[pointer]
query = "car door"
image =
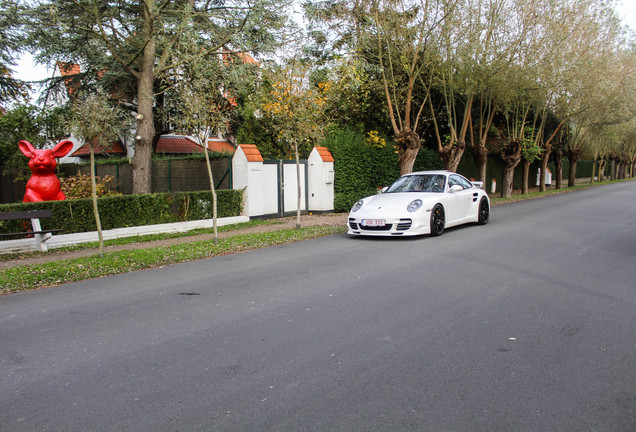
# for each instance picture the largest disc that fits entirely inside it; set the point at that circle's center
(459, 198)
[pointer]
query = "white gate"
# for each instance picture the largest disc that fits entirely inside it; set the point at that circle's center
(271, 186)
(280, 187)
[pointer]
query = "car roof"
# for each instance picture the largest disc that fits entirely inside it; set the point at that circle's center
(439, 172)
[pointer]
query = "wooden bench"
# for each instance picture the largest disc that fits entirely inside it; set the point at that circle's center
(40, 236)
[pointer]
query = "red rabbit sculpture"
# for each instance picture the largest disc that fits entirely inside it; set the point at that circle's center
(44, 184)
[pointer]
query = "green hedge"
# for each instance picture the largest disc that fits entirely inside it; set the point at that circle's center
(128, 210)
(360, 170)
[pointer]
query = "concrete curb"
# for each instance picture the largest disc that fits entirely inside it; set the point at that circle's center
(63, 240)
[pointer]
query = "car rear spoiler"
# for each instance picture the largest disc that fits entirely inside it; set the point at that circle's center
(478, 184)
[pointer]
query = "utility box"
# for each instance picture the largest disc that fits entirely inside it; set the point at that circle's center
(321, 180)
(247, 174)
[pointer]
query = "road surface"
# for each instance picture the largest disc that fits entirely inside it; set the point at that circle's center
(525, 324)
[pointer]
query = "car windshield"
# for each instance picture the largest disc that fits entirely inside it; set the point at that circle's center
(419, 183)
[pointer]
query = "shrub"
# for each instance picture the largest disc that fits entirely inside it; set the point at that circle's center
(76, 215)
(79, 186)
(365, 162)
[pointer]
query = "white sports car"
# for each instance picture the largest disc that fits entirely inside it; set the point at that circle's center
(424, 202)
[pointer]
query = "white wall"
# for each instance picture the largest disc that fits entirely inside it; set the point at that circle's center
(321, 183)
(261, 183)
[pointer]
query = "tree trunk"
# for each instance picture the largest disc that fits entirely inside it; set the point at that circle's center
(572, 173)
(481, 160)
(452, 154)
(557, 155)
(409, 145)
(612, 169)
(142, 162)
(601, 170)
(573, 157)
(299, 192)
(545, 157)
(508, 179)
(212, 189)
(98, 222)
(526, 177)
(510, 161)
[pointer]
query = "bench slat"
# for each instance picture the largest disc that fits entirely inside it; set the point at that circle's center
(26, 214)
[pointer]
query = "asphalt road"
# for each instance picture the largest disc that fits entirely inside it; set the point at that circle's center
(525, 324)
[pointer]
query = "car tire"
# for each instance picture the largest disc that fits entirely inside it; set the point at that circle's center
(484, 212)
(438, 220)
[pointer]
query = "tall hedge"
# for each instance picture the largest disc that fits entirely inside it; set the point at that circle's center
(361, 169)
(128, 210)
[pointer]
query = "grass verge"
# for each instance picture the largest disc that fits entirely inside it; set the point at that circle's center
(145, 238)
(23, 278)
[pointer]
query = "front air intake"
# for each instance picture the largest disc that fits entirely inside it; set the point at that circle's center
(404, 224)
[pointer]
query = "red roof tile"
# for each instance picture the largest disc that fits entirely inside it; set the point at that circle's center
(245, 58)
(177, 144)
(220, 146)
(324, 154)
(114, 148)
(69, 71)
(251, 153)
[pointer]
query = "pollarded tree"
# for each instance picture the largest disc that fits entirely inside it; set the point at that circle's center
(396, 38)
(558, 72)
(295, 104)
(596, 77)
(201, 101)
(475, 46)
(399, 40)
(629, 140)
(602, 139)
(130, 44)
(97, 121)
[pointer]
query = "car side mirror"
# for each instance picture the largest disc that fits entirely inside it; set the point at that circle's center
(456, 188)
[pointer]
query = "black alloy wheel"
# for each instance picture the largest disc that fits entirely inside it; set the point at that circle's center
(484, 211)
(438, 220)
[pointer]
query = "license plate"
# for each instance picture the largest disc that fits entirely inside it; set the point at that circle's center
(373, 222)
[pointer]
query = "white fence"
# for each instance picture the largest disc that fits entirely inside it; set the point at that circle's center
(271, 186)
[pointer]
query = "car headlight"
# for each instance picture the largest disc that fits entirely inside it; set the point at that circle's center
(357, 206)
(414, 205)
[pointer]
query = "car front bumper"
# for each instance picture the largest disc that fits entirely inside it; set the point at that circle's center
(392, 227)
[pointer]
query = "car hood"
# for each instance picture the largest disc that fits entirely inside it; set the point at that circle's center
(398, 200)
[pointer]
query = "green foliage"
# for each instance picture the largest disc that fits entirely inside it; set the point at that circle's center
(20, 123)
(198, 205)
(357, 96)
(128, 47)
(76, 215)
(27, 122)
(261, 131)
(361, 169)
(96, 120)
(427, 159)
(11, 89)
(530, 148)
(295, 107)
